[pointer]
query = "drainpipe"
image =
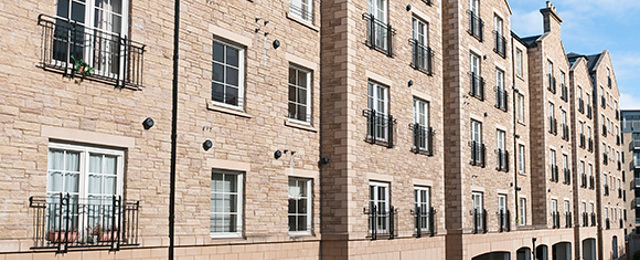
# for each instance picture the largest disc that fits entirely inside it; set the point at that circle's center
(174, 127)
(515, 142)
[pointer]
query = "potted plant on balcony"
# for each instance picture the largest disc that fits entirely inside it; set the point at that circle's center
(104, 234)
(60, 236)
(81, 67)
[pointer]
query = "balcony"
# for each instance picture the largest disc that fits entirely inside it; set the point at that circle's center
(555, 219)
(580, 105)
(606, 190)
(62, 222)
(424, 220)
(421, 57)
(593, 219)
(553, 126)
(564, 92)
(503, 160)
(605, 158)
(603, 102)
(567, 176)
(621, 223)
(380, 128)
(475, 25)
(379, 34)
(617, 139)
(477, 154)
(606, 223)
(504, 220)
(609, 81)
(619, 165)
(476, 86)
(500, 44)
(589, 112)
(554, 173)
(585, 219)
(552, 83)
(590, 145)
(80, 52)
(619, 193)
(422, 139)
(618, 115)
(636, 182)
(604, 130)
(592, 182)
(381, 222)
(583, 180)
(583, 141)
(567, 220)
(565, 132)
(479, 221)
(502, 98)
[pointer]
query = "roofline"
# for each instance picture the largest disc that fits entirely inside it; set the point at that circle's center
(515, 36)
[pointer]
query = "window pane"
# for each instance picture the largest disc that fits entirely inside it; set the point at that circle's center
(217, 92)
(54, 182)
(218, 72)
(232, 56)
(56, 160)
(232, 76)
(71, 182)
(231, 96)
(218, 52)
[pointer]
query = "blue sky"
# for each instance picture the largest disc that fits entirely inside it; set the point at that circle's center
(591, 26)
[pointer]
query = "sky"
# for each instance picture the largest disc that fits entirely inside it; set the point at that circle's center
(589, 27)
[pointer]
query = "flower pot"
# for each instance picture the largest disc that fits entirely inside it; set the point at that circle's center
(108, 236)
(62, 236)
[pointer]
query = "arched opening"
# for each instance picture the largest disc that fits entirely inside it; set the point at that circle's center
(589, 249)
(561, 251)
(614, 247)
(494, 256)
(542, 252)
(523, 254)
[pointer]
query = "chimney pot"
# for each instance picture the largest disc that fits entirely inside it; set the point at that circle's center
(548, 4)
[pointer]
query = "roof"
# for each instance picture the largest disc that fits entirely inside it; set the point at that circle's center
(592, 60)
(531, 40)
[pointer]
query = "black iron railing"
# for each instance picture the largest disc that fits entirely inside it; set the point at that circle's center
(609, 81)
(619, 166)
(421, 57)
(379, 34)
(580, 105)
(603, 102)
(617, 139)
(424, 220)
(565, 132)
(380, 127)
(583, 141)
(63, 221)
(635, 145)
(299, 11)
(606, 190)
(553, 126)
(606, 223)
(592, 182)
(502, 98)
(605, 158)
(78, 51)
(381, 222)
(619, 193)
(476, 86)
(477, 154)
(593, 219)
(422, 139)
(475, 25)
(554, 172)
(567, 219)
(500, 44)
(567, 176)
(589, 112)
(621, 224)
(583, 180)
(503, 160)
(555, 219)
(604, 130)
(617, 114)
(590, 145)
(504, 220)
(564, 92)
(552, 83)
(479, 221)
(585, 219)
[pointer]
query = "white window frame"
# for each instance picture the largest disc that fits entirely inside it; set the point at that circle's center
(523, 212)
(309, 208)
(521, 158)
(420, 31)
(476, 131)
(239, 203)
(502, 206)
(375, 200)
(519, 66)
(474, 7)
(422, 198)
(307, 73)
(421, 116)
(379, 9)
(241, 77)
(475, 68)
(521, 109)
(498, 24)
(378, 101)
(300, 4)
(500, 140)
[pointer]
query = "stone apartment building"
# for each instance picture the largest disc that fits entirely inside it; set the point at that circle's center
(325, 129)
(630, 127)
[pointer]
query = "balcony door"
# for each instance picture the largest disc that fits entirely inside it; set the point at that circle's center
(93, 29)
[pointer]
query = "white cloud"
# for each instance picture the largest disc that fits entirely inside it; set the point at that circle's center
(527, 24)
(628, 101)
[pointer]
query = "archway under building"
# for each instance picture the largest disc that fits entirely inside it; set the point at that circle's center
(494, 256)
(542, 252)
(523, 254)
(589, 249)
(561, 251)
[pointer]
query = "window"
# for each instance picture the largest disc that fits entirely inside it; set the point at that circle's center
(552, 80)
(478, 211)
(566, 206)
(476, 143)
(299, 94)
(554, 206)
(226, 203)
(476, 80)
(96, 39)
(518, 62)
(300, 205)
(302, 9)
(523, 212)
(228, 75)
(551, 110)
(420, 41)
(501, 151)
(583, 175)
(521, 158)
(379, 201)
(554, 166)
(475, 23)
(421, 125)
(85, 173)
(378, 102)
(521, 108)
(423, 204)
(501, 96)
(500, 42)
(378, 16)
(502, 211)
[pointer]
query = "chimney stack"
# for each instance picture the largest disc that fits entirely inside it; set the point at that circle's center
(551, 18)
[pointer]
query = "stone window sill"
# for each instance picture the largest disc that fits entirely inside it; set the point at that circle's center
(303, 22)
(305, 127)
(226, 110)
